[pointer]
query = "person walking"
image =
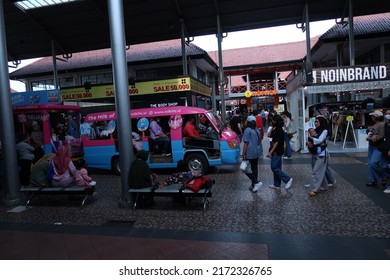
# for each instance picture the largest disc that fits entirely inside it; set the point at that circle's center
(287, 135)
(375, 135)
(312, 150)
(276, 152)
(251, 151)
(260, 127)
(236, 124)
(321, 157)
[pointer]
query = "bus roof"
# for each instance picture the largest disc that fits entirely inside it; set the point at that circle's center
(147, 113)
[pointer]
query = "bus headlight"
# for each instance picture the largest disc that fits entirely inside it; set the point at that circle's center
(233, 145)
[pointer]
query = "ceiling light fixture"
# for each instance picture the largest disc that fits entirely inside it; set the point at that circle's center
(33, 4)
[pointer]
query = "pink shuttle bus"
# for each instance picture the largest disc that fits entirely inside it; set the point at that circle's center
(216, 145)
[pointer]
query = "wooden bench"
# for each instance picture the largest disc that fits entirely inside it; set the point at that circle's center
(174, 190)
(33, 191)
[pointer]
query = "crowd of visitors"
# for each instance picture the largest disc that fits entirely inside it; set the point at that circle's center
(251, 127)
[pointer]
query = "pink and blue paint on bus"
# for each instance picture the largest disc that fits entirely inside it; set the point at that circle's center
(217, 144)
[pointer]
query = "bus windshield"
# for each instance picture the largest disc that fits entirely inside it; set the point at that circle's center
(216, 120)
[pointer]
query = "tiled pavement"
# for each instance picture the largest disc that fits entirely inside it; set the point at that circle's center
(351, 221)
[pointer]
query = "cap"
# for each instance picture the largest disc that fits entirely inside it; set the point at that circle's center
(377, 114)
(34, 123)
(251, 118)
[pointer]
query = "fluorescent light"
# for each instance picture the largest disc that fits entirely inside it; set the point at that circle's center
(33, 4)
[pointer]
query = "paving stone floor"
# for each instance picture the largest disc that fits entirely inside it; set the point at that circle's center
(350, 221)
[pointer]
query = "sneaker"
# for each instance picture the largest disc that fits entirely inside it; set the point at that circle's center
(288, 184)
(387, 190)
(272, 186)
(332, 184)
(257, 187)
(307, 185)
(167, 155)
(285, 157)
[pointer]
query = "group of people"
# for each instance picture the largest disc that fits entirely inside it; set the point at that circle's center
(55, 170)
(252, 150)
(321, 176)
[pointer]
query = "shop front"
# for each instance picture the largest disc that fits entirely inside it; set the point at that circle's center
(345, 95)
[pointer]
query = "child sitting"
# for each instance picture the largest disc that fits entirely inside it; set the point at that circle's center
(82, 178)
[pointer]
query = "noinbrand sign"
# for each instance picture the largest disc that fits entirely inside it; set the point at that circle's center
(350, 74)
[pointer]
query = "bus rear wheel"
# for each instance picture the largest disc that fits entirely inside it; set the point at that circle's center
(197, 162)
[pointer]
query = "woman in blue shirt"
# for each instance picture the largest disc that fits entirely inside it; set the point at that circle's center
(251, 151)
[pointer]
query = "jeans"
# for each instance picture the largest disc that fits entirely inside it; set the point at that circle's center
(287, 151)
(279, 175)
(374, 170)
(384, 166)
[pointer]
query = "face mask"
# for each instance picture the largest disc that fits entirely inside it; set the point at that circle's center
(387, 117)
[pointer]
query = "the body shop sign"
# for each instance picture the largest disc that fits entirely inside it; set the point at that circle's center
(351, 74)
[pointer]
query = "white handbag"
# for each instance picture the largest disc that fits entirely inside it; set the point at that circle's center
(245, 166)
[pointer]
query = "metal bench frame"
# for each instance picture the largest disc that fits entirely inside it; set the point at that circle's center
(173, 190)
(74, 190)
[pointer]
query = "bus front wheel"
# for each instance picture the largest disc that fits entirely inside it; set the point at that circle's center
(197, 162)
(116, 167)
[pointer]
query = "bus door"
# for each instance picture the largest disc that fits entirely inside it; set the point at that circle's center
(100, 144)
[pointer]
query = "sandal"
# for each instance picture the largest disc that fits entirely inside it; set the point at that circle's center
(312, 193)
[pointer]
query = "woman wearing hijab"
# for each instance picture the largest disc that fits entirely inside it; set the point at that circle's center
(318, 181)
(64, 169)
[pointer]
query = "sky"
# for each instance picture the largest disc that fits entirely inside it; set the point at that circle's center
(264, 36)
(241, 39)
(18, 86)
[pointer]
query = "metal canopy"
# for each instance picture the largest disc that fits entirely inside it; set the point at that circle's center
(83, 25)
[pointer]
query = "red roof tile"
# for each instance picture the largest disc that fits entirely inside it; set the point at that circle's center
(278, 53)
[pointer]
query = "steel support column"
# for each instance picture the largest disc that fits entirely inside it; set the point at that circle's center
(122, 100)
(221, 75)
(7, 129)
(351, 41)
(183, 48)
(213, 91)
(54, 58)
